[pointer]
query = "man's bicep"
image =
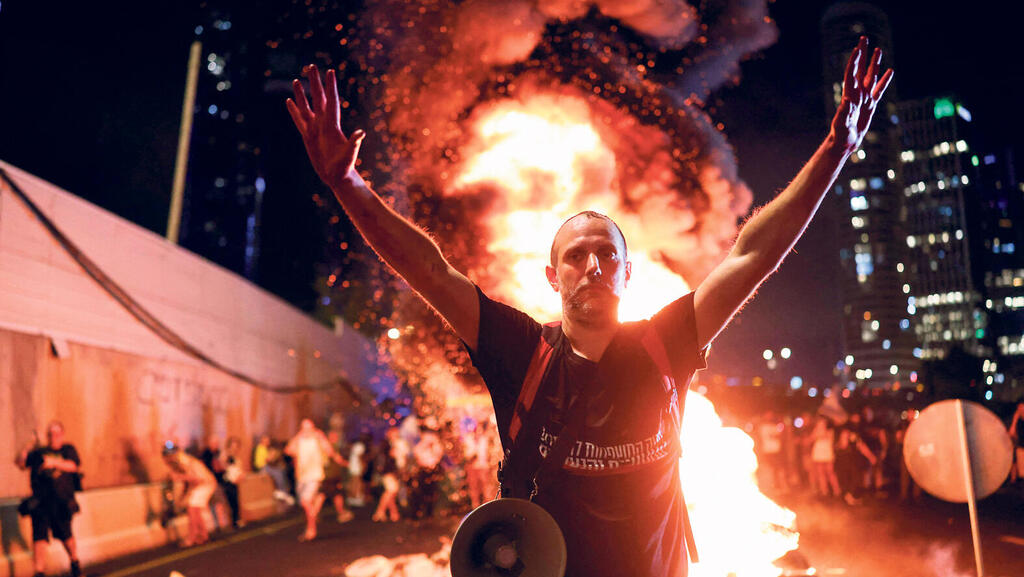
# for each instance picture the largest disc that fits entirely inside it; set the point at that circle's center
(722, 294)
(454, 297)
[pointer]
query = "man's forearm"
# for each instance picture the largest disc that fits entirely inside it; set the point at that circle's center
(400, 243)
(771, 233)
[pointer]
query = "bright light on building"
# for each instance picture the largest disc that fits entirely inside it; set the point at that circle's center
(767, 354)
(849, 360)
(894, 369)
(795, 383)
(394, 333)
(785, 352)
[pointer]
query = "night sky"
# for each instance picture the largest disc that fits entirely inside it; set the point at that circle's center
(90, 97)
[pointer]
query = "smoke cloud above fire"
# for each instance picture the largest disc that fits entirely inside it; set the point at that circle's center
(608, 98)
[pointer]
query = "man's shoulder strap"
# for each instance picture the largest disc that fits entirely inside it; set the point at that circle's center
(531, 383)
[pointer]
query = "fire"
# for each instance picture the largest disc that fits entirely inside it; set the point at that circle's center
(549, 163)
(739, 531)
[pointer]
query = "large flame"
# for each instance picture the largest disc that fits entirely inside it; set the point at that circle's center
(738, 530)
(549, 163)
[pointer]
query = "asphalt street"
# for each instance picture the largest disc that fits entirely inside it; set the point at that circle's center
(879, 538)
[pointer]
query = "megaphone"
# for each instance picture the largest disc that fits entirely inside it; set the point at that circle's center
(508, 538)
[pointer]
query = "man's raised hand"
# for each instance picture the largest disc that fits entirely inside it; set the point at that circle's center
(332, 154)
(862, 90)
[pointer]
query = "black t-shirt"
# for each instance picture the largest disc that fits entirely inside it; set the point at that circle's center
(617, 498)
(48, 484)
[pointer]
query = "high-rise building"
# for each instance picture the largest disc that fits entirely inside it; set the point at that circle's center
(225, 187)
(877, 340)
(943, 300)
(995, 201)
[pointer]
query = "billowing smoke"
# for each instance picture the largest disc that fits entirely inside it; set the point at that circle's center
(589, 105)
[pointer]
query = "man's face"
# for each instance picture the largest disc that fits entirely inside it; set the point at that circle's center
(55, 436)
(590, 271)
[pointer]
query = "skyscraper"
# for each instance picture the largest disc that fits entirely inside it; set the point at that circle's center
(943, 300)
(877, 339)
(225, 187)
(995, 202)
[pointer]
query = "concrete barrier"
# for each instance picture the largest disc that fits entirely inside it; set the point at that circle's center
(117, 521)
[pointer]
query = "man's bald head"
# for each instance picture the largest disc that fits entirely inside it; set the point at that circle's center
(585, 214)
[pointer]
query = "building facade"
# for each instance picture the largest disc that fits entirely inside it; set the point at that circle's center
(878, 343)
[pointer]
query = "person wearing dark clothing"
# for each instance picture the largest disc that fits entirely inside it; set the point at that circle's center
(54, 478)
(233, 473)
(853, 459)
(621, 483)
(619, 385)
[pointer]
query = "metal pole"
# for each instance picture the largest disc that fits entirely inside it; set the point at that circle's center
(969, 482)
(184, 135)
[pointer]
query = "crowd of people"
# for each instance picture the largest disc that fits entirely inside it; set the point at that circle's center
(416, 470)
(850, 457)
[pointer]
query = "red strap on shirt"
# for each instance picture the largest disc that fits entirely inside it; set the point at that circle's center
(538, 365)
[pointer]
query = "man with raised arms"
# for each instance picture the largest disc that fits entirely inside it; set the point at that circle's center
(617, 495)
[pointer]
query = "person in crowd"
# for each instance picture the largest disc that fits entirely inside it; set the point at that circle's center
(357, 467)
(877, 440)
(233, 473)
(389, 456)
(852, 458)
(483, 452)
(602, 383)
(823, 458)
(770, 454)
(220, 503)
(802, 443)
(54, 477)
(200, 484)
(267, 459)
(310, 449)
(909, 490)
(333, 485)
(1016, 431)
(427, 456)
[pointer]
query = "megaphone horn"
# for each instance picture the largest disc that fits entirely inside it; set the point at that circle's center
(508, 538)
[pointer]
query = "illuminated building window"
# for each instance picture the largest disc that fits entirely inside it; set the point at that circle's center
(961, 146)
(860, 222)
(858, 184)
(911, 241)
(875, 183)
(891, 174)
(858, 203)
